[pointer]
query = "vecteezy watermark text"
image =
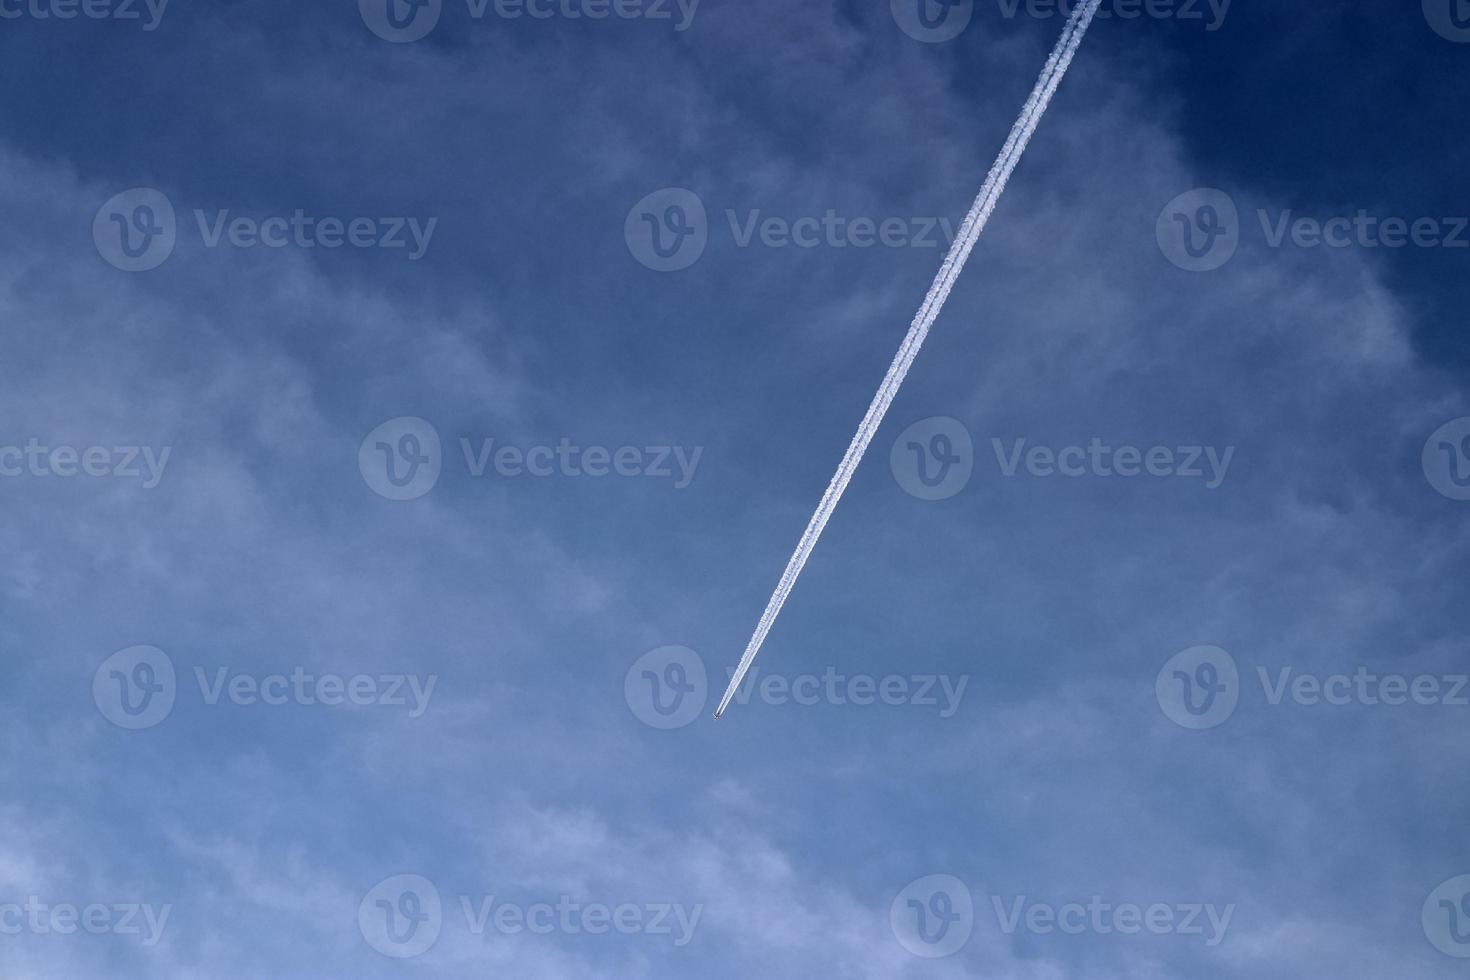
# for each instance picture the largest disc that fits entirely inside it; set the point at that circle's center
(571, 460)
(329, 690)
(138, 230)
(1099, 459)
(939, 691)
(1211, 13)
(147, 12)
(1201, 687)
(1103, 918)
(937, 21)
(403, 458)
(669, 230)
(40, 918)
(137, 688)
(35, 459)
(1201, 230)
(934, 458)
(668, 687)
(934, 916)
(405, 21)
(1363, 686)
(403, 917)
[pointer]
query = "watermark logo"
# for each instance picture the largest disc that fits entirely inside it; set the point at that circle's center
(1199, 231)
(138, 687)
(932, 21)
(668, 230)
(933, 459)
(401, 459)
(1449, 18)
(1198, 688)
(404, 21)
(1201, 687)
(401, 21)
(1446, 459)
(402, 916)
(667, 688)
(135, 688)
(136, 231)
(1446, 917)
(933, 917)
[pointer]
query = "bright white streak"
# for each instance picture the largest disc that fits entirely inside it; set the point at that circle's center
(949, 272)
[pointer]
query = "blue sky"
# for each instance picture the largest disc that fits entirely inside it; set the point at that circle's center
(1104, 692)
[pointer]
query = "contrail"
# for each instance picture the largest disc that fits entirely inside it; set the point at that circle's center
(954, 264)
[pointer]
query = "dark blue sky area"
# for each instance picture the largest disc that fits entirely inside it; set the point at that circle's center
(1356, 105)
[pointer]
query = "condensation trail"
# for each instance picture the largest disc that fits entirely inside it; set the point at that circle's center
(954, 264)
